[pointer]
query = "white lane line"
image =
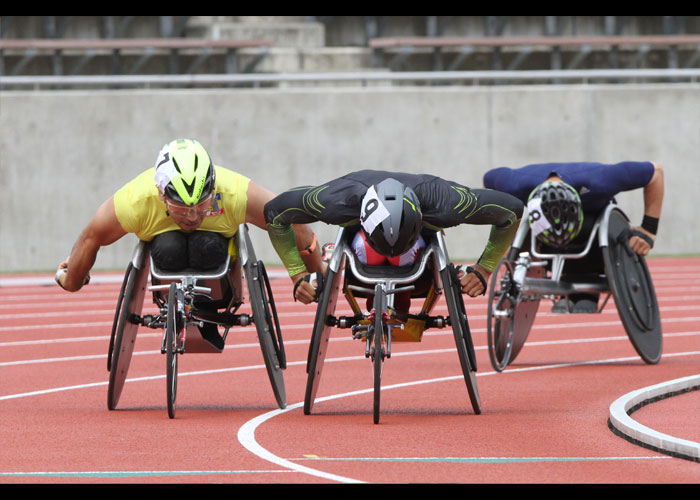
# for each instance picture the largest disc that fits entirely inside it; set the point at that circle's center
(140, 379)
(54, 326)
(131, 474)
(246, 433)
(246, 436)
(476, 460)
(254, 345)
(303, 363)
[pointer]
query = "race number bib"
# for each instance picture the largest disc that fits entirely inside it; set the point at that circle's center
(538, 222)
(373, 212)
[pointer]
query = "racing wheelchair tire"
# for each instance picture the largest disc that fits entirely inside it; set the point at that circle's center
(264, 314)
(380, 332)
(500, 322)
(632, 287)
(267, 327)
(462, 333)
(173, 334)
(124, 327)
(510, 314)
(318, 346)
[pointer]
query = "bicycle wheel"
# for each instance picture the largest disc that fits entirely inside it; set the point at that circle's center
(462, 334)
(173, 330)
(500, 313)
(379, 332)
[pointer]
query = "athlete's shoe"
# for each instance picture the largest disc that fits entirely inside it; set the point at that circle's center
(581, 306)
(585, 306)
(562, 306)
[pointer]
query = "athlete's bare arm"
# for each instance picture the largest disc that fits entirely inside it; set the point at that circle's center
(102, 230)
(653, 200)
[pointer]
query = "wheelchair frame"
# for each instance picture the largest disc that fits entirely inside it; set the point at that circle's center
(518, 284)
(377, 326)
(188, 300)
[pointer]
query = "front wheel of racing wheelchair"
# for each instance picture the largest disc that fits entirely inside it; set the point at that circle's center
(189, 300)
(432, 273)
(519, 283)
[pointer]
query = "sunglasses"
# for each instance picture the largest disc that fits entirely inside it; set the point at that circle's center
(181, 210)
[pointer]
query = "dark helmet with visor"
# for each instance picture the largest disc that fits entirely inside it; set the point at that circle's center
(555, 213)
(391, 217)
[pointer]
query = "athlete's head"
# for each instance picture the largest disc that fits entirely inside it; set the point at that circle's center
(185, 179)
(184, 172)
(555, 213)
(391, 217)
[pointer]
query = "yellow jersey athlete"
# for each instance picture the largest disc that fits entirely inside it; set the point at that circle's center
(187, 207)
(391, 208)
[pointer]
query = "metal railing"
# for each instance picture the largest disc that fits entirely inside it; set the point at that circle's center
(687, 75)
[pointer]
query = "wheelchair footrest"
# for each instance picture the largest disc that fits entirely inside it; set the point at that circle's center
(411, 331)
(205, 339)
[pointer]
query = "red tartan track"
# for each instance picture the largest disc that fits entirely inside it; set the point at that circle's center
(544, 420)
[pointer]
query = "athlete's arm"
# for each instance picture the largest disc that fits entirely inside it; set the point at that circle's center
(299, 238)
(102, 230)
(497, 245)
(484, 206)
(653, 200)
(283, 215)
(279, 214)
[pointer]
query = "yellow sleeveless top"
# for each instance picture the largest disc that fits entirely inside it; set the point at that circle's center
(139, 210)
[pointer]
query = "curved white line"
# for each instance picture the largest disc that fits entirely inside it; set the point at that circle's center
(622, 421)
(246, 434)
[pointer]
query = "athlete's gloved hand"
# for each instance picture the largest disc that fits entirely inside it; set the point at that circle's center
(642, 241)
(307, 287)
(473, 279)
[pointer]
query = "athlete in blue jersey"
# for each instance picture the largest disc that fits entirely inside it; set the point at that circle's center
(594, 186)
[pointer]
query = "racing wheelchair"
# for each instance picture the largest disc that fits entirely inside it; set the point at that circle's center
(192, 306)
(431, 276)
(529, 273)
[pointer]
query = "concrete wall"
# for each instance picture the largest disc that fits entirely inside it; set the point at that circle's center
(63, 153)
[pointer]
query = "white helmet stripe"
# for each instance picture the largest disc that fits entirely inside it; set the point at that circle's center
(165, 168)
(373, 212)
(538, 222)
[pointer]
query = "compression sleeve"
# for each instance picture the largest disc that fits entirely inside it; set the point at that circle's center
(499, 241)
(280, 213)
(284, 242)
(485, 206)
